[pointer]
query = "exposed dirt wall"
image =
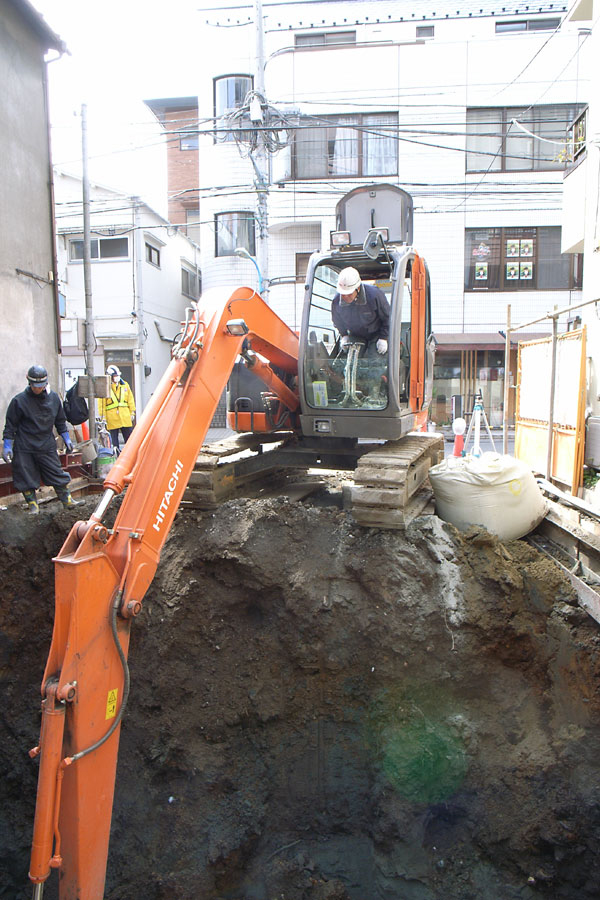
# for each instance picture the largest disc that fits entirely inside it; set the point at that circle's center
(324, 711)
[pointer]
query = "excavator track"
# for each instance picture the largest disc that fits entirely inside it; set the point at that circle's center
(390, 479)
(391, 484)
(223, 467)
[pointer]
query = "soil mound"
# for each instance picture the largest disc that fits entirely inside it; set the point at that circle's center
(328, 712)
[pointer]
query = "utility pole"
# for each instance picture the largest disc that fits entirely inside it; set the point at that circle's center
(87, 277)
(261, 162)
(138, 301)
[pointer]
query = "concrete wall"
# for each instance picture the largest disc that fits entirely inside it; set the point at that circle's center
(28, 321)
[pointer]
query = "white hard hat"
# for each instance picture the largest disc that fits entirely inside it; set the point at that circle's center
(348, 281)
(113, 370)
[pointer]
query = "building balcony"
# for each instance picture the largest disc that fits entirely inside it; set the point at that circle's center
(575, 186)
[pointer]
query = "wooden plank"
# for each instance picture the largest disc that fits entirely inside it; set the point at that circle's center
(364, 495)
(393, 518)
(377, 476)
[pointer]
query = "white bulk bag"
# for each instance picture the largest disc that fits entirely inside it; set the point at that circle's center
(498, 492)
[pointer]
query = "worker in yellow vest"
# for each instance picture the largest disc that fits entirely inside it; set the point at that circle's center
(119, 409)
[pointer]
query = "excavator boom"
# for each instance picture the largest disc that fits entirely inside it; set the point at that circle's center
(102, 575)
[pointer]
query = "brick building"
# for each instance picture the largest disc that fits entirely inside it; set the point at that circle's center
(179, 118)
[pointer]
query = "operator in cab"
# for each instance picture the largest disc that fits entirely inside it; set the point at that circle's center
(361, 311)
(29, 442)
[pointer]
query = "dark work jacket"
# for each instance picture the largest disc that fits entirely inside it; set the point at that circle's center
(367, 317)
(30, 419)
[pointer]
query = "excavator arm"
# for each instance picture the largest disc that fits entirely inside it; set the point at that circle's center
(102, 575)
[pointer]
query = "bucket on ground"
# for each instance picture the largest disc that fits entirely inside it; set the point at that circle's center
(87, 450)
(106, 460)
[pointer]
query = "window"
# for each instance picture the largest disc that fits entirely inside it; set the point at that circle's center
(519, 259)
(425, 31)
(192, 224)
(302, 266)
(229, 93)
(153, 255)
(101, 248)
(527, 25)
(325, 37)
(576, 138)
(234, 229)
(346, 146)
(188, 138)
(189, 283)
(495, 143)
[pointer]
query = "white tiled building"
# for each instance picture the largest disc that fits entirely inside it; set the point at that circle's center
(463, 105)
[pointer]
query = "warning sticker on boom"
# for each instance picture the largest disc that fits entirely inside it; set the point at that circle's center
(111, 703)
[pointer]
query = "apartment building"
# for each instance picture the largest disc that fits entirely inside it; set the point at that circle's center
(465, 106)
(144, 273)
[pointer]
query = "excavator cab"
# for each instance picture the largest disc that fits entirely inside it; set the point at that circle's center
(352, 390)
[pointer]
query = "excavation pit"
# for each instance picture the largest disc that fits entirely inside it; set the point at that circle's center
(323, 711)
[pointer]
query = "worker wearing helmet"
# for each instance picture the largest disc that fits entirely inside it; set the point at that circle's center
(119, 408)
(29, 443)
(361, 311)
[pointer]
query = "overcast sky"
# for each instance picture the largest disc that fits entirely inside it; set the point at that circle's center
(122, 52)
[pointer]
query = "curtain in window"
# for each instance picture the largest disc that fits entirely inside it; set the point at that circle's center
(484, 139)
(230, 93)
(552, 124)
(519, 147)
(311, 152)
(380, 153)
(343, 147)
(524, 152)
(235, 230)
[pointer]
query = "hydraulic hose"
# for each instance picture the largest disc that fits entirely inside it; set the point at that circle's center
(126, 683)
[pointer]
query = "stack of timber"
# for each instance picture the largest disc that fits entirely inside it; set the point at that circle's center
(390, 483)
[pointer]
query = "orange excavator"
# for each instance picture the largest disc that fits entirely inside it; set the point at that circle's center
(102, 573)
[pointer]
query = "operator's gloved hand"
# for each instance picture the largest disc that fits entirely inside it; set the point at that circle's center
(7, 451)
(382, 345)
(345, 341)
(67, 440)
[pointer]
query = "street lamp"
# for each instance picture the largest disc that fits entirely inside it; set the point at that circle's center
(243, 254)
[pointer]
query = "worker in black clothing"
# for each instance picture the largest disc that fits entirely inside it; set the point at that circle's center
(29, 443)
(361, 314)
(361, 311)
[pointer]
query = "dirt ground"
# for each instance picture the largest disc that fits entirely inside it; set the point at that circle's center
(321, 711)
